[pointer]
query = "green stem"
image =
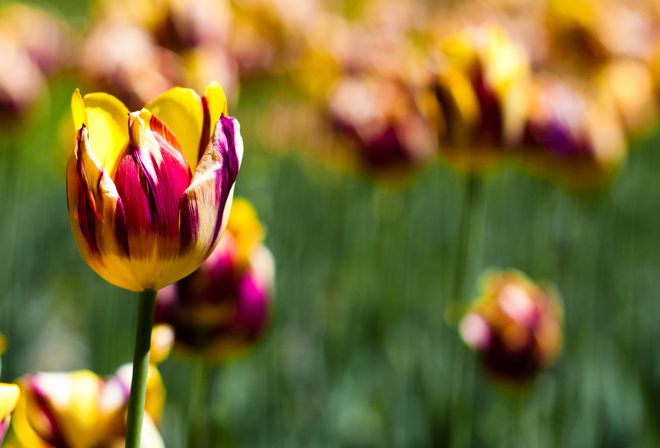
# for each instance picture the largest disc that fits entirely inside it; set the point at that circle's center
(468, 237)
(467, 258)
(146, 306)
(199, 405)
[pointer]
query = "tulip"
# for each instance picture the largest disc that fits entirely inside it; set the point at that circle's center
(9, 394)
(149, 196)
(515, 327)
(384, 120)
(223, 308)
(80, 410)
(572, 134)
(482, 89)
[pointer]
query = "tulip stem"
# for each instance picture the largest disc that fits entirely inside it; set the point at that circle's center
(199, 405)
(469, 236)
(467, 260)
(145, 319)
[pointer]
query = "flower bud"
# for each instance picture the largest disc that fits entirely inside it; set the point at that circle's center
(515, 327)
(223, 308)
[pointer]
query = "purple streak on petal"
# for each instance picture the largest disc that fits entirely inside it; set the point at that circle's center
(87, 211)
(41, 398)
(134, 193)
(206, 128)
(150, 204)
(4, 426)
(173, 179)
(189, 223)
(121, 231)
(225, 177)
(491, 125)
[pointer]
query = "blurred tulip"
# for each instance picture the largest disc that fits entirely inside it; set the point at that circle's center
(223, 308)
(482, 88)
(9, 395)
(572, 135)
(515, 327)
(148, 200)
(270, 34)
(175, 24)
(628, 84)
(120, 57)
(386, 122)
(43, 36)
(21, 82)
(162, 340)
(80, 410)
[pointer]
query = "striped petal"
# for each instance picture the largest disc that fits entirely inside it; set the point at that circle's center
(206, 203)
(63, 407)
(150, 179)
(214, 106)
(181, 111)
(97, 216)
(105, 119)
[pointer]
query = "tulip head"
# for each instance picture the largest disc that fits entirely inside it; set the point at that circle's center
(571, 134)
(223, 308)
(482, 90)
(515, 328)
(385, 124)
(80, 410)
(149, 192)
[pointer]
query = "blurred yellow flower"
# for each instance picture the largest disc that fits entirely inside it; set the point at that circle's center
(80, 410)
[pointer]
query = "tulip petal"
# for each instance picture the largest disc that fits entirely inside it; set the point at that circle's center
(206, 203)
(181, 111)
(23, 433)
(105, 118)
(63, 407)
(9, 394)
(97, 216)
(151, 177)
(214, 106)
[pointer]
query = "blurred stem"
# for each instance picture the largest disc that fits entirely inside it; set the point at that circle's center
(467, 258)
(199, 404)
(469, 236)
(145, 319)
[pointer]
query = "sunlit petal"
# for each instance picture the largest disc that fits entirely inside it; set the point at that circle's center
(181, 110)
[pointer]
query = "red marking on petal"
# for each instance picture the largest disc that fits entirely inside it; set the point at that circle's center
(87, 212)
(224, 138)
(135, 196)
(189, 223)
(150, 188)
(54, 436)
(173, 177)
(206, 128)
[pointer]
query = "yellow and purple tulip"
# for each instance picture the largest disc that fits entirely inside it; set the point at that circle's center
(80, 410)
(149, 192)
(223, 308)
(515, 327)
(9, 394)
(482, 89)
(572, 134)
